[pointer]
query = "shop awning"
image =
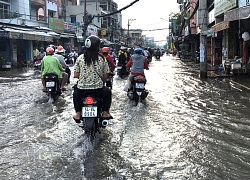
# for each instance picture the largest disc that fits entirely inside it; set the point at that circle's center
(28, 35)
(220, 26)
(54, 34)
(67, 35)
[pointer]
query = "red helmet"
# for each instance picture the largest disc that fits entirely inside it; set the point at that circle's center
(50, 50)
(105, 50)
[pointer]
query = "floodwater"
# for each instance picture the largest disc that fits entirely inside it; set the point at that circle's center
(188, 128)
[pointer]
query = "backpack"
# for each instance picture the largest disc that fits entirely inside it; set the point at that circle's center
(122, 58)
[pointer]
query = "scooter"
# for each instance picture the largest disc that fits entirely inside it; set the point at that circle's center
(92, 121)
(138, 91)
(52, 87)
(122, 71)
(37, 64)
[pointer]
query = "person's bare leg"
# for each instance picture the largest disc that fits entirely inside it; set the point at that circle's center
(64, 79)
(43, 82)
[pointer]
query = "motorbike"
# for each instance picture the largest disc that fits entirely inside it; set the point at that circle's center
(69, 60)
(122, 71)
(37, 64)
(138, 91)
(92, 121)
(157, 57)
(52, 86)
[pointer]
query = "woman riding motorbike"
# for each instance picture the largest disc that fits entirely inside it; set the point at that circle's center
(91, 69)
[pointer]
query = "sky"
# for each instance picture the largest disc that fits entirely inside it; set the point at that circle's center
(148, 15)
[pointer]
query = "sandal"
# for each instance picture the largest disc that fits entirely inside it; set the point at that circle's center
(45, 90)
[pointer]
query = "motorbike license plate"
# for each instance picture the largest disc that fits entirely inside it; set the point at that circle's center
(50, 84)
(89, 111)
(139, 85)
(119, 67)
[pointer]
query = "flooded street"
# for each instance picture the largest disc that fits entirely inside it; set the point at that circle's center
(187, 129)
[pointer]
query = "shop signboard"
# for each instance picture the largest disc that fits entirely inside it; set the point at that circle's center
(221, 6)
(28, 36)
(220, 26)
(69, 27)
(238, 13)
(15, 35)
(56, 25)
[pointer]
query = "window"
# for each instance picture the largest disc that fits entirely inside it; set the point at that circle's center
(73, 19)
(4, 11)
(40, 14)
(51, 13)
(104, 6)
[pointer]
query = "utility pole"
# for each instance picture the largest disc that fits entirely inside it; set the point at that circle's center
(85, 20)
(128, 36)
(203, 15)
(128, 33)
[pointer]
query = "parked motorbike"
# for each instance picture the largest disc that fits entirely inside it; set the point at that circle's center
(138, 91)
(52, 86)
(92, 121)
(122, 71)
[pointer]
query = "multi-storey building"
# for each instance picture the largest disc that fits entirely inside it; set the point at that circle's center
(228, 29)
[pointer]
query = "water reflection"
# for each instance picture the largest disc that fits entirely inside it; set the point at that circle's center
(186, 129)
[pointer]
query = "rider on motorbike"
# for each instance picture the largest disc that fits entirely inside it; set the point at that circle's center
(138, 63)
(105, 53)
(122, 56)
(50, 64)
(60, 56)
(92, 70)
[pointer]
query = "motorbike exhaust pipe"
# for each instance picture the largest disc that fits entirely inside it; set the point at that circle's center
(105, 122)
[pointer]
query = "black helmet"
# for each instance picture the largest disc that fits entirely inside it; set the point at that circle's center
(92, 43)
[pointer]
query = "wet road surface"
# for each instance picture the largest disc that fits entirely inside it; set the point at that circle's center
(187, 129)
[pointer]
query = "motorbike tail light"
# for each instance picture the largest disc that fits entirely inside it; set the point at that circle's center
(89, 100)
(139, 77)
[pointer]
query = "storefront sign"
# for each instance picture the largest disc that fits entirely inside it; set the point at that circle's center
(220, 26)
(244, 12)
(221, 6)
(69, 27)
(236, 14)
(56, 25)
(15, 35)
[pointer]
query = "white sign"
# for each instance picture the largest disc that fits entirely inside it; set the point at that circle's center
(222, 6)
